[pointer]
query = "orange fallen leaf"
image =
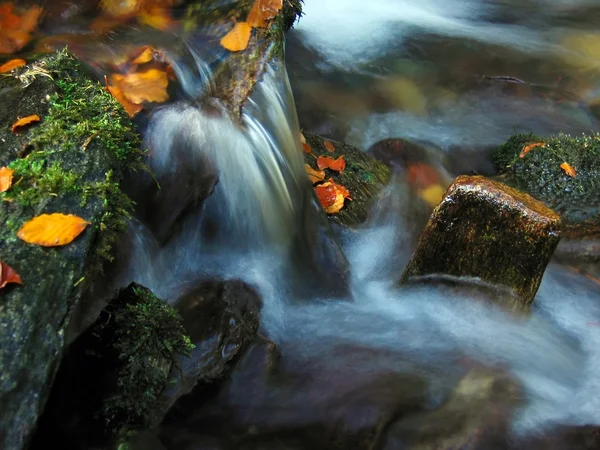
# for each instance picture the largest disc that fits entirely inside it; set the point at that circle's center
(421, 175)
(25, 121)
(12, 64)
(326, 162)
(138, 87)
(16, 27)
(51, 230)
(529, 147)
(344, 191)
(146, 54)
(237, 39)
(306, 148)
(331, 196)
(8, 275)
(314, 175)
(6, 177)
(131, 108)
(569, 170)
(156, 17)
(120, 8)
(262, 11)
(329, 146)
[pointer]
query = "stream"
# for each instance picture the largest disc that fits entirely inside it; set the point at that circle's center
(378, 366)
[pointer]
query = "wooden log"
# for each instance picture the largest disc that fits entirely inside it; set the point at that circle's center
(489, 234)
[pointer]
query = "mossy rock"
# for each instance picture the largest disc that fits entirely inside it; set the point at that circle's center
(363, 176)
(70, 162)
(113, 375)
(538, 172)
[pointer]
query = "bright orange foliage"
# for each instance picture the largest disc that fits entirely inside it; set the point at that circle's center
(51, 230)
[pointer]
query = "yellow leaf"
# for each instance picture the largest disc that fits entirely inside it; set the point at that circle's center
(237, 39)
(432, 194)
(131, 108)
(139, 87)
(569, 170)
(314, 175)
(51, 230)
(120, 7)
(6, 177)
(156, 17)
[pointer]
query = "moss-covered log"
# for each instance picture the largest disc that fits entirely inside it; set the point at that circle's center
(70, 162)
(363, 176)
(488, 233)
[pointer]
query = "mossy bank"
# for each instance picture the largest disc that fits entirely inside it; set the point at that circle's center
(70, 162)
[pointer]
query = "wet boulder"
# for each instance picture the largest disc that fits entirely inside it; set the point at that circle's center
(363, 176)
(70, 162)
(490, 236)
(540, 167)
(113, 375)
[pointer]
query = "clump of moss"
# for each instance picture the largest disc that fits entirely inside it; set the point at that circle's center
(539, 172)
(148, 335)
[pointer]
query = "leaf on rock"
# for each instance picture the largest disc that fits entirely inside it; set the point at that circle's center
(131, 108)
(237, 39)
(340, 188)
(8, 275)
(15, 27)
(329, 146)
(138, 87)
(314, 175)
(6, 177)
(25, 121)
(529, 147)
(331, 196)
(12, 64)
(569, 170)
(262, 11)
(51, 230)
(326, 162)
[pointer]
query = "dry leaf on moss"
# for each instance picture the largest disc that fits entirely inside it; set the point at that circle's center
(237, 39)
(326, 162)
(569, 170)
(12, 65)
(51, 230)
(24, 121)
(8, 275)
(263, 11)
(314, 175)
(6, 178)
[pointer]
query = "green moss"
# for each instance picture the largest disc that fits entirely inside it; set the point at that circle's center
(148, 335)
(539, 172)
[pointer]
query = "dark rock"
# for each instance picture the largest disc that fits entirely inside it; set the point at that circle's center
(364, 177)
(475, 416)
(113, 375)
(71, 162)
(488, 233)
(564, 438)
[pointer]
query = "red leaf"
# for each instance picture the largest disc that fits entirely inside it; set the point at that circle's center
(8, 275)
(326, 162)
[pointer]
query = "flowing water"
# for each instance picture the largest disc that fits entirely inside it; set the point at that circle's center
(455, 75)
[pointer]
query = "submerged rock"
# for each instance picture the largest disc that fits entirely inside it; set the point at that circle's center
(363, 176)
(489, 235)
(113, 375)
(70, 162)
(475, 416)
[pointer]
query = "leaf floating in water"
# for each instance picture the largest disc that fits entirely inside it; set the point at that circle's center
(156, 17)
(326, 162)
(314, 175)
(6, 178)
(237, 39)
(145, 55)
(262, 11)
(569, 170)
(8, 275)
(529, 147)
(119, 8)
(15, 28)
(329, 146)
(51, 230)
(131, 108)
(139, 87)
(12, 65)
(25, 121)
